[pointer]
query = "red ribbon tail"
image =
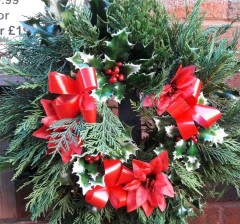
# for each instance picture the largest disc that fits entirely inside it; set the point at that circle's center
(205, 116)
(118, 197)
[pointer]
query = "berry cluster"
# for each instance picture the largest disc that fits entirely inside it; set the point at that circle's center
(92, 159)
(115, 73)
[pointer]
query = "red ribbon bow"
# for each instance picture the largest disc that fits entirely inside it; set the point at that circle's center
(75, 96)
(179, 99)
(116, 174)
(45, 133)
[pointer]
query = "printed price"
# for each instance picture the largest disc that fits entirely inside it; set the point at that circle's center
(11, 31)
(8, 2)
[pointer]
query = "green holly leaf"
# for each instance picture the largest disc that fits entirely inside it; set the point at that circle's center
(139, 51)
(180, 149)
(88, 175)
(129, 69)
(92, 61)
(159, 149)
(214, 135)
(102, 94)
(55, 7)
(108, 63)
(118, 49)
(77, 61)
(192, 150)
(101, 79)
(118, 91)
(192, 165)
(172, 131)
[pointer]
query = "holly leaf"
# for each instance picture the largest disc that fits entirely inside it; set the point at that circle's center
(126, 150)
(214, 135)
(108, 63)
(88, 175)
(139, 51)
(33, 27)
(77, 61)
(130, 69)
(180, 148)
(55, 7)
(92, 61)
(118, 49)
(102, 94)
(118, 91)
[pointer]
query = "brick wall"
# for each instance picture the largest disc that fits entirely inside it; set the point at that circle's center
(217, 12)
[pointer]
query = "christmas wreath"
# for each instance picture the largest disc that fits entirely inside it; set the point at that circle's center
(174, 139)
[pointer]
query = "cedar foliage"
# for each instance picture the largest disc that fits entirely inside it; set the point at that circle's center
(55, 193)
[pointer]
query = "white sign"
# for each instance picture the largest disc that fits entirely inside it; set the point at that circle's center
(14, 11)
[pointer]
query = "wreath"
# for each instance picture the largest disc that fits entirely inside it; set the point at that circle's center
(122, 113)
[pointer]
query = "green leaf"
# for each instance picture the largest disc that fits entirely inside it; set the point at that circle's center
(34, 26)
(92, 61)
(99, 16)
(77, 61)
(129, 69)
(98, 9)
(118, 91)
(139, 51)
(119, 47)
(56, 7)
(102, 94)
(180, 148)
(88, 175)
(108, 63)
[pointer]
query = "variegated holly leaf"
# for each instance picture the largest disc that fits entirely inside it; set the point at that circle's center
(191, 166)
(34, 26)
(172, 131)
(118, 49)
(118, 91)
(88, 175)
(130, 69)
(139, 51)
(180, 149)
(125, 151)
(159, 149)
(55, 7)
(102, 94)
(214, 134)
(192, 150)
(92, 61)
(77, 61)
(108, 63)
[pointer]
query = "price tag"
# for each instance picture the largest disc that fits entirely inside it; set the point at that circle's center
(13, 11)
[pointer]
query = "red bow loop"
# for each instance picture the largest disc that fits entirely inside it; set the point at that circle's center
(75, 96)
(116, 174)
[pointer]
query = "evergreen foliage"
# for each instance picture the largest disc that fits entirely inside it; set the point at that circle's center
(159, 43)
